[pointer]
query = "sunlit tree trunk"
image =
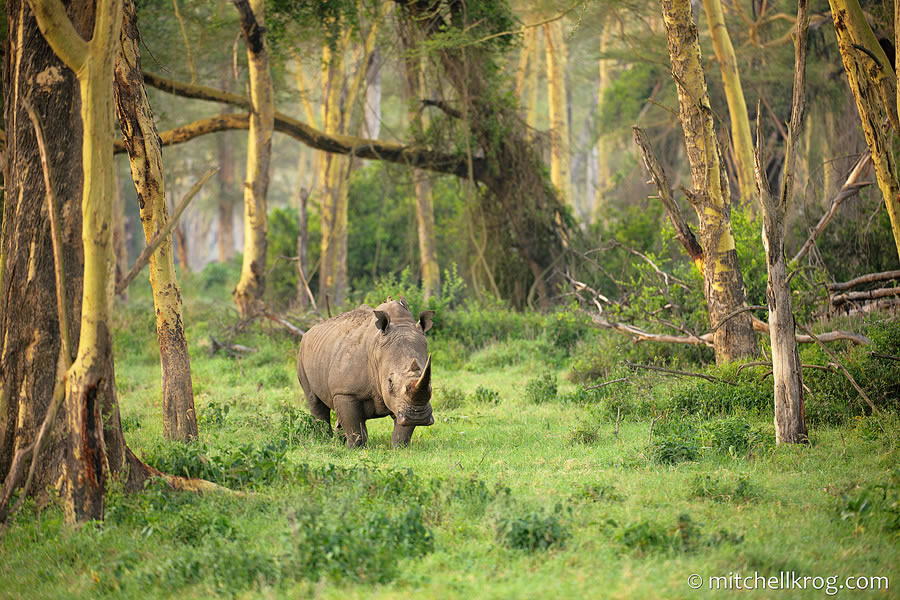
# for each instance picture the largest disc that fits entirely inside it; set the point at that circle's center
(876, 101)
(142, 142)
(225, 241)
(120, 243)
(531, 81)
(723, 286)
(431, 275)
(790, 421)
(249, 290)
(734, 95)
(559, 115)
(87, 383)
(603, 147)
(372, 110)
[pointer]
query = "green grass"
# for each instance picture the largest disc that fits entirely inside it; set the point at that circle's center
(498, 499)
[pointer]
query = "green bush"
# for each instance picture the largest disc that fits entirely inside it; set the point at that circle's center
(486, 395)
(532, 531)
(873, 505)
(542, 388)
(675, 440)
(599, 492)
(707, 400)
(686, 536)
(734, 436)
(713, 488)
(298, 426)
(448, 398)
(235, 467)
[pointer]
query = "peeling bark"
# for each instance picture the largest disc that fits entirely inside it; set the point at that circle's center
(723, 285)
(145, 154)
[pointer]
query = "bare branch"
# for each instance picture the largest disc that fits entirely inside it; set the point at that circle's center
(735, 313)
(868, 278)
(840, 365)
(59, 32)
(160, 236)
(839, 299)
(709, 378)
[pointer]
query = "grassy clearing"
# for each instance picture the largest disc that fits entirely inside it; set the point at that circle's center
(521, 489)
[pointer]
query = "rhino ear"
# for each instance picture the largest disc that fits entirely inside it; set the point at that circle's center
(425, 320)
(382, 320)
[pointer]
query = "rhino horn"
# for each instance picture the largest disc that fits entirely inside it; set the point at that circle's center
(421, 392)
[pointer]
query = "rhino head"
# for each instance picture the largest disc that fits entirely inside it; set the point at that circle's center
(403, 363)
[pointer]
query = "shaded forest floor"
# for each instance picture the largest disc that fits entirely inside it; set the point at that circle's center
(525, 487)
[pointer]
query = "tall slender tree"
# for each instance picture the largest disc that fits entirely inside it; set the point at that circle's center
(249, 290)
(723, 285)
(557, 61)
(145, 154)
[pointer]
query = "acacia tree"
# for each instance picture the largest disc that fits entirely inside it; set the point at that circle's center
(790, 422)
(723, 285)
(874, 86)
(145, 154)
(558, 108)
(249, 289)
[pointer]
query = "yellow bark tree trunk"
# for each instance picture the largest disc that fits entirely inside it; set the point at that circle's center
(868, 84)
(145, 154)
(558, 107)
(734, 95)
(604, 146)
(86, 466)
(710, 197)
(249, 290)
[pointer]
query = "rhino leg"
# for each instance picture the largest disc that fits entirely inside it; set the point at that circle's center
(352, 421)
(319, 410)
(402, 434)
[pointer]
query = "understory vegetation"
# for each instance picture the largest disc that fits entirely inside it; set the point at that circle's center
(535, 481)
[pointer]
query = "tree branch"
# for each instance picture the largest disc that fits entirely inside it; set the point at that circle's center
(59, 32)
(682, 229)
(252, 30)
(160, 236)
(677, 372)
(840, 365)
(869, 278)
(867, 295)
(444, 107)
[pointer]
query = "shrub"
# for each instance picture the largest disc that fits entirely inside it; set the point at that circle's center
(532, 531)
(734, 436)
(213, 415)
(675, 440)
(486, 395)
(542, 388)
(297, 425)
(875, 505)
(705, 399)
(448, 398)
(599, 492)
(686, 536)
(713, 488)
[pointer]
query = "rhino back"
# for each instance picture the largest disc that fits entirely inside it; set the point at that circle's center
(334, 355)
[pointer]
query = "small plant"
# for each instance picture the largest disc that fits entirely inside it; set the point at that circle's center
(587, 431)
(448, 398)
(734, 436)
(298, 425)
(599, 492)
(542, 388)
(486, 395)
(711, 487)
(532, 531)
(214, 415)
(131, 423)
(877, 506)
(675, 441)
(686, 536)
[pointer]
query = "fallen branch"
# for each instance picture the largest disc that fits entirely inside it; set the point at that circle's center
(605, 383)
(831, 336)
(284, 323)
(840, 365)
(763, 363)
(848, 190)
(232, 349)
(709, 378)
(885, 356)
(161, 236)
(839, 299)
(639, 335)
(868, 278)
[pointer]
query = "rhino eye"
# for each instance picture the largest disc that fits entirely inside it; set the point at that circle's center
(390, 384)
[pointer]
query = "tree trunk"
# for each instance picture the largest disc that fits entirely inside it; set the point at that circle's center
(120, 240)
(867, 82)
(145, 154)
(603, 147)
(790, 422)
(181, 246)
(559, 114)
(431, 274)
(372, 112)
(734, 95)
(723, 286)
(90, 383)
(249, 290)
(302, 243)
(29, 332)
(531, 100)
(225, 240)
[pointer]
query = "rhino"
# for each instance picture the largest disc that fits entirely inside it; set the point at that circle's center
(366, 364)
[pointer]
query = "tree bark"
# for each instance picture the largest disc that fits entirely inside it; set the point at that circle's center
(120, 241)
(29, 333)
(88, 382)
(145, 154)
(875, 100)
(431, 274)
(558, 107)
(790, 421)
(225, 240)
(734, 95)
(249, 290)
(723, 285)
